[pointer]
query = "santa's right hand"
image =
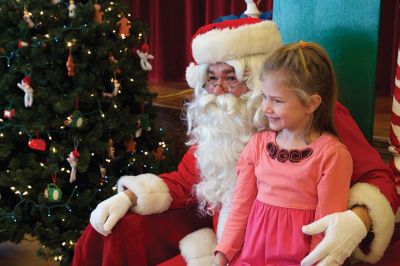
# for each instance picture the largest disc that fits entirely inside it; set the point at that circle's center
(108, 213)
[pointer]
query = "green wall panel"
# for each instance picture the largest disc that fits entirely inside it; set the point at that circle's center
(348, 30)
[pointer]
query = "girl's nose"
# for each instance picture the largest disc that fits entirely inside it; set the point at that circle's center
(266, 105)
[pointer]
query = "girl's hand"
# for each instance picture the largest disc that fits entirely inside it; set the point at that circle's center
(220, 259)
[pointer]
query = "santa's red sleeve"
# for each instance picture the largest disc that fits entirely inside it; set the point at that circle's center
(157, 193)
(373, 185)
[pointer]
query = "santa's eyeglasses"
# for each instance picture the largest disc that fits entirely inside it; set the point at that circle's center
(228, 86)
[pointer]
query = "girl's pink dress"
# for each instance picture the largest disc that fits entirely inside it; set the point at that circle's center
(277, 192)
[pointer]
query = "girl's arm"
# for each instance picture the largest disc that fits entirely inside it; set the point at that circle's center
(334, 184)
(232, 237)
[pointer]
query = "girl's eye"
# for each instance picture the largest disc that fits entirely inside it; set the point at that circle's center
(276, 101)
(212, 78)
(231, 78)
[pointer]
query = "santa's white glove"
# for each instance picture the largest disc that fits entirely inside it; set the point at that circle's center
(108, 213)
(343, 232)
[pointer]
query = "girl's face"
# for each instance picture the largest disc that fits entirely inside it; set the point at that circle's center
(283, 108)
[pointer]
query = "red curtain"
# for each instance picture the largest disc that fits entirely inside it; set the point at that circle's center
(172, 25)
(389, 37)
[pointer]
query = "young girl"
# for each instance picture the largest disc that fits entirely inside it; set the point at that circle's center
(294, 172)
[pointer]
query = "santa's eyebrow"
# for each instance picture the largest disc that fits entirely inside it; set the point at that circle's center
(223, 72)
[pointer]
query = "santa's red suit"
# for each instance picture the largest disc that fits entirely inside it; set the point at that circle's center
(166, 219)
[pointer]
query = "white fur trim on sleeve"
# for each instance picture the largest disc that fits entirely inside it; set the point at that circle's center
(152, 193)
(382, 219)
(198, 247)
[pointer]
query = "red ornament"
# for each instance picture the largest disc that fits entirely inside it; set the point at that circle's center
(8, 113)
(76, 154)
(37, 144)
(22, 44)
(26, 80)
(144, 48)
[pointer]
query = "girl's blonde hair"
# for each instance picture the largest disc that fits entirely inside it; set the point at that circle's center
(307, 69)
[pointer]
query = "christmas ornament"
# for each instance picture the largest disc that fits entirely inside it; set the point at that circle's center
(27, 18)
(74, 120)
(98, 15)
(112, 59)
(71, 8)
(37, 144)
(8, 113)
(70, 65)
(54, 2)
(124, 27)
(22, 44)
(103, 174)
(131, 146)
(52, 192)
(111, 149)
(144, 56)
(142, 122)
(159, 154)
(117, 86)
(73, 159)
(26, 87)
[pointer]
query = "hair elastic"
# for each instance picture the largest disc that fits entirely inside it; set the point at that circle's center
(302, 44)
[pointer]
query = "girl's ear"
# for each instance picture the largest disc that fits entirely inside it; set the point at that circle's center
(313, 103)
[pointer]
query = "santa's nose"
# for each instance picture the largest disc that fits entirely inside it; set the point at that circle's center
(218, 90)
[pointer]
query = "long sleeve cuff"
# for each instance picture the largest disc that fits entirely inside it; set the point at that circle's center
(382, 218)
(152, 193)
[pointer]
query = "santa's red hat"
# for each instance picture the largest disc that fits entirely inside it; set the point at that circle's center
(230, 40)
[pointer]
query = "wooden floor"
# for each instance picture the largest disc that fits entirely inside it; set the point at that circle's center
(24, 253)
(383, 107)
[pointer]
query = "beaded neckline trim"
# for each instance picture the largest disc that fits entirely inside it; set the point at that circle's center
(283, 155)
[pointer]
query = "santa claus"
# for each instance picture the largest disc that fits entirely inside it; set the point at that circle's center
(144, 223)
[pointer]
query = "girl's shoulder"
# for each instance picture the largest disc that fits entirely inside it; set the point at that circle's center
(329, 143)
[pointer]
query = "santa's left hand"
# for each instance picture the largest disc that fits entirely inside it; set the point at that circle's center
(343, 232)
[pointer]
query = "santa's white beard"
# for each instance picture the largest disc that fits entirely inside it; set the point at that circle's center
(220, 126)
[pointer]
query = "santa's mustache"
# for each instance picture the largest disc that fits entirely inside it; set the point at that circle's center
(225, 102)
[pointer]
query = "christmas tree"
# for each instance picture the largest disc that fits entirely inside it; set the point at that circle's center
(75, 115)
